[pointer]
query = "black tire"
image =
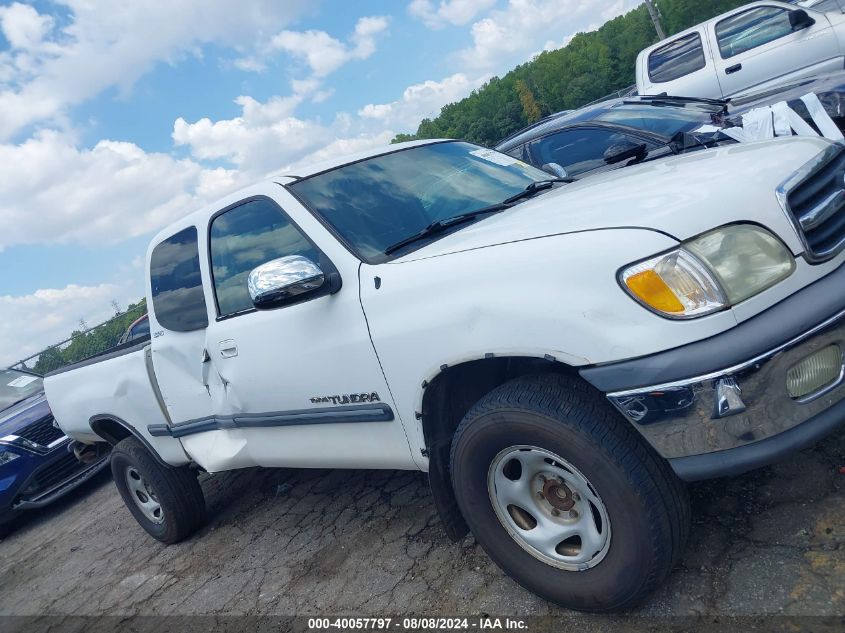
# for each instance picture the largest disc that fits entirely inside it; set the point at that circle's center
(646, 503)
(9, 524)
(176, 490)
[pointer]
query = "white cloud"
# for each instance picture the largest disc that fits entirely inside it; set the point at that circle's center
(48, 316)
(422, 100)
(52, 191)
(364, 36)
(323, 53)
(249, 64)
(264, 138)
(511, 34)
(456, 12)
(267, 137)
(23, 26)
(107, 44)
(344, 146)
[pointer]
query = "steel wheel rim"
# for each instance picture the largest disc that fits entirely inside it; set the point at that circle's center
(531, 490)
(143, 495)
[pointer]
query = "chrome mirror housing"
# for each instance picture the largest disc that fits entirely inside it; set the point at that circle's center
(283, 278)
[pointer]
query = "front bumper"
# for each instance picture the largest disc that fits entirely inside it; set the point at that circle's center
(740, 406)
(37, 479)
(729, 418)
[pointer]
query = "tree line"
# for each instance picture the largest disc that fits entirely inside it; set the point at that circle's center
(85, 343)
(591, 66)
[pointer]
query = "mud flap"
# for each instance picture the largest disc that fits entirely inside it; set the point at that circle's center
(444, 495)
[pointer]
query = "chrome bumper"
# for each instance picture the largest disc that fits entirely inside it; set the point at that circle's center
(737, 406)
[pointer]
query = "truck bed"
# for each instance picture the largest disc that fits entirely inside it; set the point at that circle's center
(116, 385)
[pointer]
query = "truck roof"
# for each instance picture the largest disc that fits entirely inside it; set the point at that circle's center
(315, 168)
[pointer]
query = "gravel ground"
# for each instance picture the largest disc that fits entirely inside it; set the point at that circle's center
(367, 543)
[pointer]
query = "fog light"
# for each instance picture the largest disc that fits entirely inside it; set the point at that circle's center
(815, 372)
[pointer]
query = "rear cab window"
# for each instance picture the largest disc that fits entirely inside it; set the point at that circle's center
(139, 330)
(176, 283)
(676, 59)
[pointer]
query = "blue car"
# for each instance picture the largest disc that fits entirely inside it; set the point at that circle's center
(37, 461)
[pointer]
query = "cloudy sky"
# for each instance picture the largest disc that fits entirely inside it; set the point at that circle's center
(118, 116)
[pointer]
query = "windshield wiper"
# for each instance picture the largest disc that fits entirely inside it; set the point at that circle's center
(438, 226)
(16, 402)
(671, 100)
(535, 188)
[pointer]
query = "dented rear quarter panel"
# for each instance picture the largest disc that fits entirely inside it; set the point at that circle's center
(117, 387)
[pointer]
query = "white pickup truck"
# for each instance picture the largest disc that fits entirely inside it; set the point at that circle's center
(754, 47)
(557, 356)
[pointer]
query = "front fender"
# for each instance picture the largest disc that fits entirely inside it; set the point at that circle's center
(555, 296)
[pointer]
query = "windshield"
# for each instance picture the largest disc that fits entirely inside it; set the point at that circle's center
(664, 120)
(380, 201)
(16, 386)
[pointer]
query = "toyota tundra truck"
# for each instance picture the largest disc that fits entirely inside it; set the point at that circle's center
(559, 357)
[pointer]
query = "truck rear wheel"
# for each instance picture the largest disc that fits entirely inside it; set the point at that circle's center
(167, 502)
(565, 497)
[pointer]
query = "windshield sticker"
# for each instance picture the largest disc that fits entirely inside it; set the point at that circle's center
(492, 156)
(21, 381)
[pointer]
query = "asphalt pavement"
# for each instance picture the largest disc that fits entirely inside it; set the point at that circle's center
(318, 542)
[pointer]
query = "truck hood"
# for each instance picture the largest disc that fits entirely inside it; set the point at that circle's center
(23, 414)
(682, 196)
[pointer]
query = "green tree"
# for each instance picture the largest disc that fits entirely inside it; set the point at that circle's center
(85, 343)
(401, 138)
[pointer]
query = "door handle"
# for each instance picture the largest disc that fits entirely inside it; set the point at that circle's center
(730, 70)
(228, 348)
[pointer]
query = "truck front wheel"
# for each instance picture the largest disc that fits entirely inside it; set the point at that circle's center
(167, 502)
(565, 497)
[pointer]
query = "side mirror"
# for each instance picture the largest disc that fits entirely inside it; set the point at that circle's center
(800, 19)
(555, 170)
(625, 150)
(282, 279)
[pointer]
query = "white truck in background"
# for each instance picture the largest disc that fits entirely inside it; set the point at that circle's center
(557, 356)
(751, 48)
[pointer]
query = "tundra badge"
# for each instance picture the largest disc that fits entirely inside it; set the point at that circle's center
(353, 398)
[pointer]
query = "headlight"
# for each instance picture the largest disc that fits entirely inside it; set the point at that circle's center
(747, 259)
(710, 272)
(7, 456)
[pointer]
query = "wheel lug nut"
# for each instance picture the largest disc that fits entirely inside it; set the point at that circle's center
(576, 496)
(539, 495)
(556, 513)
